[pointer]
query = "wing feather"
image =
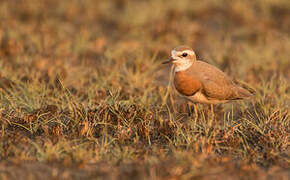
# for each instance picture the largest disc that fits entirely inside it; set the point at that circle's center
(215, 83)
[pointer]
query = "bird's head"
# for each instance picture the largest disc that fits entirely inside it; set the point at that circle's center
(181, 57)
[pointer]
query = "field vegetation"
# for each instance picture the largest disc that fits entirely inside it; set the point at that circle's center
(83, 93)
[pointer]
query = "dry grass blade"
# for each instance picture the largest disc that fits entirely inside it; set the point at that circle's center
(84, 95)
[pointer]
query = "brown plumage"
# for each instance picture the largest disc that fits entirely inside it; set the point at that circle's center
(202, 82)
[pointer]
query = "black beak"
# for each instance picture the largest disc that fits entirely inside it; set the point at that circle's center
(168, 61)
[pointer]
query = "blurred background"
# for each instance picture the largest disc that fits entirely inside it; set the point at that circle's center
(54, 36)
(83, 93)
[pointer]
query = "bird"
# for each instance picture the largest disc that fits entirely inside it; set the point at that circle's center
(200, 82)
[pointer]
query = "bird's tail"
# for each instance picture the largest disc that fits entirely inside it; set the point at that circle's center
(242, 93)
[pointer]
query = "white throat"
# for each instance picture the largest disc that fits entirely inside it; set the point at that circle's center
(182, 67)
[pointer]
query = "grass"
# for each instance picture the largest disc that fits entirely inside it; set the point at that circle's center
(83, 94)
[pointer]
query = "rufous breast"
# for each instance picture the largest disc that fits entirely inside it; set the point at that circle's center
(185, 84)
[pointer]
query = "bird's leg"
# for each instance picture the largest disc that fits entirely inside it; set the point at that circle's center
(212, 111)
(195, 112)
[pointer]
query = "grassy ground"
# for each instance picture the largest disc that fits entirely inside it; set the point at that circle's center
(83, 94)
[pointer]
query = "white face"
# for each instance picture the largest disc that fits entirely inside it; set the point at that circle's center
(182, 60)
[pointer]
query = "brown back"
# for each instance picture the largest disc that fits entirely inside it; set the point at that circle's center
(215, 83)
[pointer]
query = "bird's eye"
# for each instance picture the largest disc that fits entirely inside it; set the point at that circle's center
(184, 54)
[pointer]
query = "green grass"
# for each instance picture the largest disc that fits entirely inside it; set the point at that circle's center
(83, 93)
